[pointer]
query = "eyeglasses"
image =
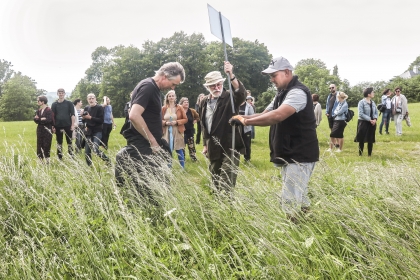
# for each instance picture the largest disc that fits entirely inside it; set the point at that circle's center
(397, 91)
(219, 85)
(332, 87)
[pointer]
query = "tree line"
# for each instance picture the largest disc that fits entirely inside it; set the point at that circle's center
(114, 72)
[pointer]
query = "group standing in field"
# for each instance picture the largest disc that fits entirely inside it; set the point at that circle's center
(225, 121)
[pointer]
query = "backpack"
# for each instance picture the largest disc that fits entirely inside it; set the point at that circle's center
(349, 115)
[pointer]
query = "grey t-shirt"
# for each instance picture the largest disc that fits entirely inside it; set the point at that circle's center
(297, 99)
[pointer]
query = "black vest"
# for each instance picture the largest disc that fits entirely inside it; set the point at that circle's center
(294, 139)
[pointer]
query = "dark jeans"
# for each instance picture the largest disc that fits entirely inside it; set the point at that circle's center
(386, 117)
(80, 138)
(330, 122)
(92, 143)
(221, 171)
(106, 131)
(59, 137)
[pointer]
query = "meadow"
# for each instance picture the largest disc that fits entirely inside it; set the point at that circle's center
(70, 221)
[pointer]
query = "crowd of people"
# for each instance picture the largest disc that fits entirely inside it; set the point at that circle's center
(225, 121)
(394, 108)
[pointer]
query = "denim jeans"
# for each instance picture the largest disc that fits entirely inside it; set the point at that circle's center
(386, 117)
(92, 143)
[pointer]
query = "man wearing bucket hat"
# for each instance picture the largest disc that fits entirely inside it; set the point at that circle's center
(293, 139)
(215, 112)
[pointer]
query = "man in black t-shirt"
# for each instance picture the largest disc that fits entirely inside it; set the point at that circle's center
(142, 159)
(64, 121)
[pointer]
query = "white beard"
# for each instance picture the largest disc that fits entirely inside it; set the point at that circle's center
(215, 93)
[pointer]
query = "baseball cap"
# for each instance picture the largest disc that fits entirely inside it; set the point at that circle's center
(277, 64)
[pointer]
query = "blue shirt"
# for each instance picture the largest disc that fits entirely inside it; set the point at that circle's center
(108, 114)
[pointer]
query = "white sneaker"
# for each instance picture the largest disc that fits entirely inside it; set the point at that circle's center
(338, 151)
(329, 150)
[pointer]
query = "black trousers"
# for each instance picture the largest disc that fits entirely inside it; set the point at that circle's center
(59, 131)
(247, 141)
(106, 131)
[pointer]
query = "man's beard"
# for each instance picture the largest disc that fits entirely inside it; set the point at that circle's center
(215, 93)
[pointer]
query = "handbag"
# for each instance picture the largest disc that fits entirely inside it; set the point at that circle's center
(407, 120)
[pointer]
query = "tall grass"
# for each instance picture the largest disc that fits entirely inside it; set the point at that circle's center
(69, 221)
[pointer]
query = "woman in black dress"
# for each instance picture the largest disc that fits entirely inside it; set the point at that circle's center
(366, 126)
(44, 119)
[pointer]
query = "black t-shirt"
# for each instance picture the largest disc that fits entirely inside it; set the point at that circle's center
(62, 113)
(148, 95)
(190, 124)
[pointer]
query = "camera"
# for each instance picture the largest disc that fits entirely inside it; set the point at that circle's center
(85, 113)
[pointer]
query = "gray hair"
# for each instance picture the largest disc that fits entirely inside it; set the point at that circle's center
(182, 100)
(172, 70)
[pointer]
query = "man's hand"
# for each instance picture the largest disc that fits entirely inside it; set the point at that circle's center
(204, 151)
(237, 120)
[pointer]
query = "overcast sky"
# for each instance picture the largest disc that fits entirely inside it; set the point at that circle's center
(52, 40)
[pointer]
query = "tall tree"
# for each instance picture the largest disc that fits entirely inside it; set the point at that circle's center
(187, 50)
(18, 100)
(6, 72)
(315, 75)
(335, 71)
(121, 76)
(414, 63)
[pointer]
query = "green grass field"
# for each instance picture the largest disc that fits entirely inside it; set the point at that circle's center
(69, 221)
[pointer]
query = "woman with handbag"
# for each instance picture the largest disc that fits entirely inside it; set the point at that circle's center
(339, 124)
(399, 109)
(366, 125)
(386, 110)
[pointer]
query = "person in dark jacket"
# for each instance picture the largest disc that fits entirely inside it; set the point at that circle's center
(93, 116)
(293, 140)
(215, 111)
(64, 120)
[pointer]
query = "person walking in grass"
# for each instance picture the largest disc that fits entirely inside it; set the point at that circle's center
(44, 119)
(93, 116)
(78, 134)
(387, 112)
(339, 124)
(64, 121)
(366, 125)
(399, 110)
(293, 140)
(215, 112)
(145, 157)
(189, 132)
(332, 102)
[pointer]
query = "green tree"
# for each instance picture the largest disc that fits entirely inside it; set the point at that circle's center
(189, 50)
(120, 77)
(414, 63)
(6, 73)
(264, 99)
(18, 100)
(83, 88)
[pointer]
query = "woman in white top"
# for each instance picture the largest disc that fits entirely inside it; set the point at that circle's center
(399, 109)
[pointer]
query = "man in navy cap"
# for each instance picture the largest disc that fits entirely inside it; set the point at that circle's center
(293, 141)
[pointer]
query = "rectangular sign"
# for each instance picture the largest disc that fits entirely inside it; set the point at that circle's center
(216, 26)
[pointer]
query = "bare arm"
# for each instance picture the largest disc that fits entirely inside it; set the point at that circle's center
(273, 117)
(140, 125)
